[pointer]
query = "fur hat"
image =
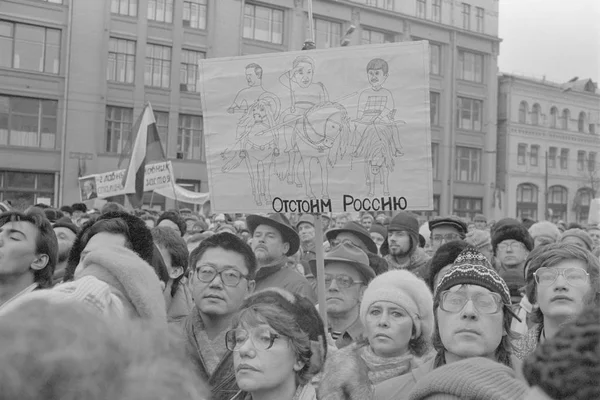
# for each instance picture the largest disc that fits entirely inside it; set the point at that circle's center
(515, 232)
(504, 222)
(580, 234)
(545, 228)
(475, 378)
(405, 289)
(140, 235)
(66, 223)
(478, 238)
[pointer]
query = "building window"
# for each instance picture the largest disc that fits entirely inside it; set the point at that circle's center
(436, 209)
(534, 151)
(190, 143)
(591, 161)
(194, 14)
(470, 66)
(436, 10)
(121, 60)
(327, 33)
(553, 117)
(592, 128)
(566, 115)
(469, 113)
(552, 157)
(435, 59)
(466, 16)
(521, 153)
(580, 160)
(124, 7)
(581, 122)
(118, 128)
(479, 16)
(434, 108)
(582, 204)
(384, 4)
(468, 162)
(160, 10)
(535, 114)
(28, 122)
(29, 47)
(564, 158)
(263, 23)
(557, 202)
(467, 207)
(527, 201)
(192, 186)
(24, 189)
(422, 9)
(189, 78)
(158, 66)
(162, 126)
(523, 111)
(435, 154)
(375, 37)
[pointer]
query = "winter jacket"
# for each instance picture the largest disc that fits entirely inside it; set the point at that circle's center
(279, 275)
(180, 307)
(418, 263)
(304, 392)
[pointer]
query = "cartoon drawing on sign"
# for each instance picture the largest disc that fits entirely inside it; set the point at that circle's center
(247, 96)
(258, 139)
(376, 134)
(304, 94)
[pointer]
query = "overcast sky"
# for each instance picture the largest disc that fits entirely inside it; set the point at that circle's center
(556, 38)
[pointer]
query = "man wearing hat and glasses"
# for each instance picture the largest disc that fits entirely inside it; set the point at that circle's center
(347, 274)
(446, 229)
(273, 240)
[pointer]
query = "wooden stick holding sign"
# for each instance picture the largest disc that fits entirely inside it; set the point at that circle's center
(320, 261)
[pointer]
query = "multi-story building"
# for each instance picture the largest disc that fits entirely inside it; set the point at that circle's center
(76, 73)
(548, 148)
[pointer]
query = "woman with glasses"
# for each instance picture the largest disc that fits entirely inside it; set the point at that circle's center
(561, 281)
(278, 344)
(396, 311)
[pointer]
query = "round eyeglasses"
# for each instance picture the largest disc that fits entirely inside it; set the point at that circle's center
(342, 281)
(261, 338)
(485, 303)
(448, 237)
(229, 276)
(574, 276)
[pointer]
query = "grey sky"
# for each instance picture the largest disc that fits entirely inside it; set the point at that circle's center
(556, 38)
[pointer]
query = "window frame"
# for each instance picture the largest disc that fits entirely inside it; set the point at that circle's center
(272, 23)
(480, 19)
(591, 161)
(387, 37)
(534, 152)
(331, 23)
(434, 108)
(581, 160)
(564, 158)
(554, 117)
(474, 158)
(188, 23)
(167, 11)
(436, 10)
(469, 208)
(581, 122)
(466, 16)
(523, 111)
(188, 132)
(41, 120)
(521, 153)
(435, 154)
(184, 68)
(36, 190)
(14, 40)
(152, 62)
(421, 9)
(536, 113)
(552, 153)
(474, 125)
(468, 62)
(129, 3)
(128, 57)
(125, 129)
(527, 209)
(565, 116)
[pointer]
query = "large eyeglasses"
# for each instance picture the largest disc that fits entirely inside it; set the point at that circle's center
(513, 246)
(574, 276)
(448, 237)
(486, 303)
(262, 338)
(229, 277)
(342, 281)
(337, 242)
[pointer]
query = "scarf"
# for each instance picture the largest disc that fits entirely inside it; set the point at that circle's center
(384, 368)
(212, 351)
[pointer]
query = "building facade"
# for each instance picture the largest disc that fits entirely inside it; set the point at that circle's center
(76, 73)
(548, 148)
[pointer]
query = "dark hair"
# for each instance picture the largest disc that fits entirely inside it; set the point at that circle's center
(567, 366)
(79, 207)
(53, 214)
(445, 255)
(42, 206)
(45, 241)
(175, 218)
(115, 226)
(551, 255)
(378, 63)
(159, 266)
(75, 253)
(226, 241)
(66, 209)
(176, 247)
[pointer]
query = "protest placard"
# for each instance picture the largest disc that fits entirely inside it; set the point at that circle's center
(343, 129)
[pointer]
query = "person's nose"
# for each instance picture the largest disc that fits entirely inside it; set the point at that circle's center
(333, 287)
(216, 283)
(383, 321)
(247, 349)
(469, 311)
(561, 282)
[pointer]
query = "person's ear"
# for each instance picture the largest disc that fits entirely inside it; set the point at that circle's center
(251, 287)
(286, 247)
(40, 262)
(298, 365)
(362, 292)
(176, 272)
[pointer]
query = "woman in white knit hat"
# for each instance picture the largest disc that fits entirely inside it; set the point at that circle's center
(397, 313)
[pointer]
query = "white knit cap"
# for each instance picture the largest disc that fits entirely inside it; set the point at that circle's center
(408, 291)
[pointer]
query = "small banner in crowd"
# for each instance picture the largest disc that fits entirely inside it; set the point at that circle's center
(343, 129)
(108, 184)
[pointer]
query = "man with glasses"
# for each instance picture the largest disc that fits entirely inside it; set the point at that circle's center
(347, 274)
(446, 229)
(561, 280)
(222, 270)
(511, 244)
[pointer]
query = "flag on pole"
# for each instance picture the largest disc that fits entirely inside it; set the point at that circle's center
(146, 149)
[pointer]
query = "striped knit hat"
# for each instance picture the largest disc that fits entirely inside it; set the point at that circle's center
(473, 268)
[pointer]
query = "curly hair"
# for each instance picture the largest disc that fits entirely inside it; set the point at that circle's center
(568, 365)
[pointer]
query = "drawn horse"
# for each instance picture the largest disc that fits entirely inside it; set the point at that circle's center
(318, 141)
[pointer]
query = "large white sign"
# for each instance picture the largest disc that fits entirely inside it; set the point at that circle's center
(343, 129)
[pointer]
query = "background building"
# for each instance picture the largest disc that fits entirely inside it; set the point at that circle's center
(548, 148)
(76, 73)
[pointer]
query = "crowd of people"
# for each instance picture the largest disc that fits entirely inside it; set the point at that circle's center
(138, 304)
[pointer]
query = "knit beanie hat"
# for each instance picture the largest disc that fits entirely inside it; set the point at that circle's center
(545, 228)
(478, 238)
(514, 232)
(408, 291)
(404, 221)
(66, 223)
(475, 378)
(378, 228)
(580, 234)
(445, 255)
(473, 268)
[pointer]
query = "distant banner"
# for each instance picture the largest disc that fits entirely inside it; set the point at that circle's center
(343, 129)
(108, 184)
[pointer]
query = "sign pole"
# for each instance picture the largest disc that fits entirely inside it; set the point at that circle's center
(320, 269)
